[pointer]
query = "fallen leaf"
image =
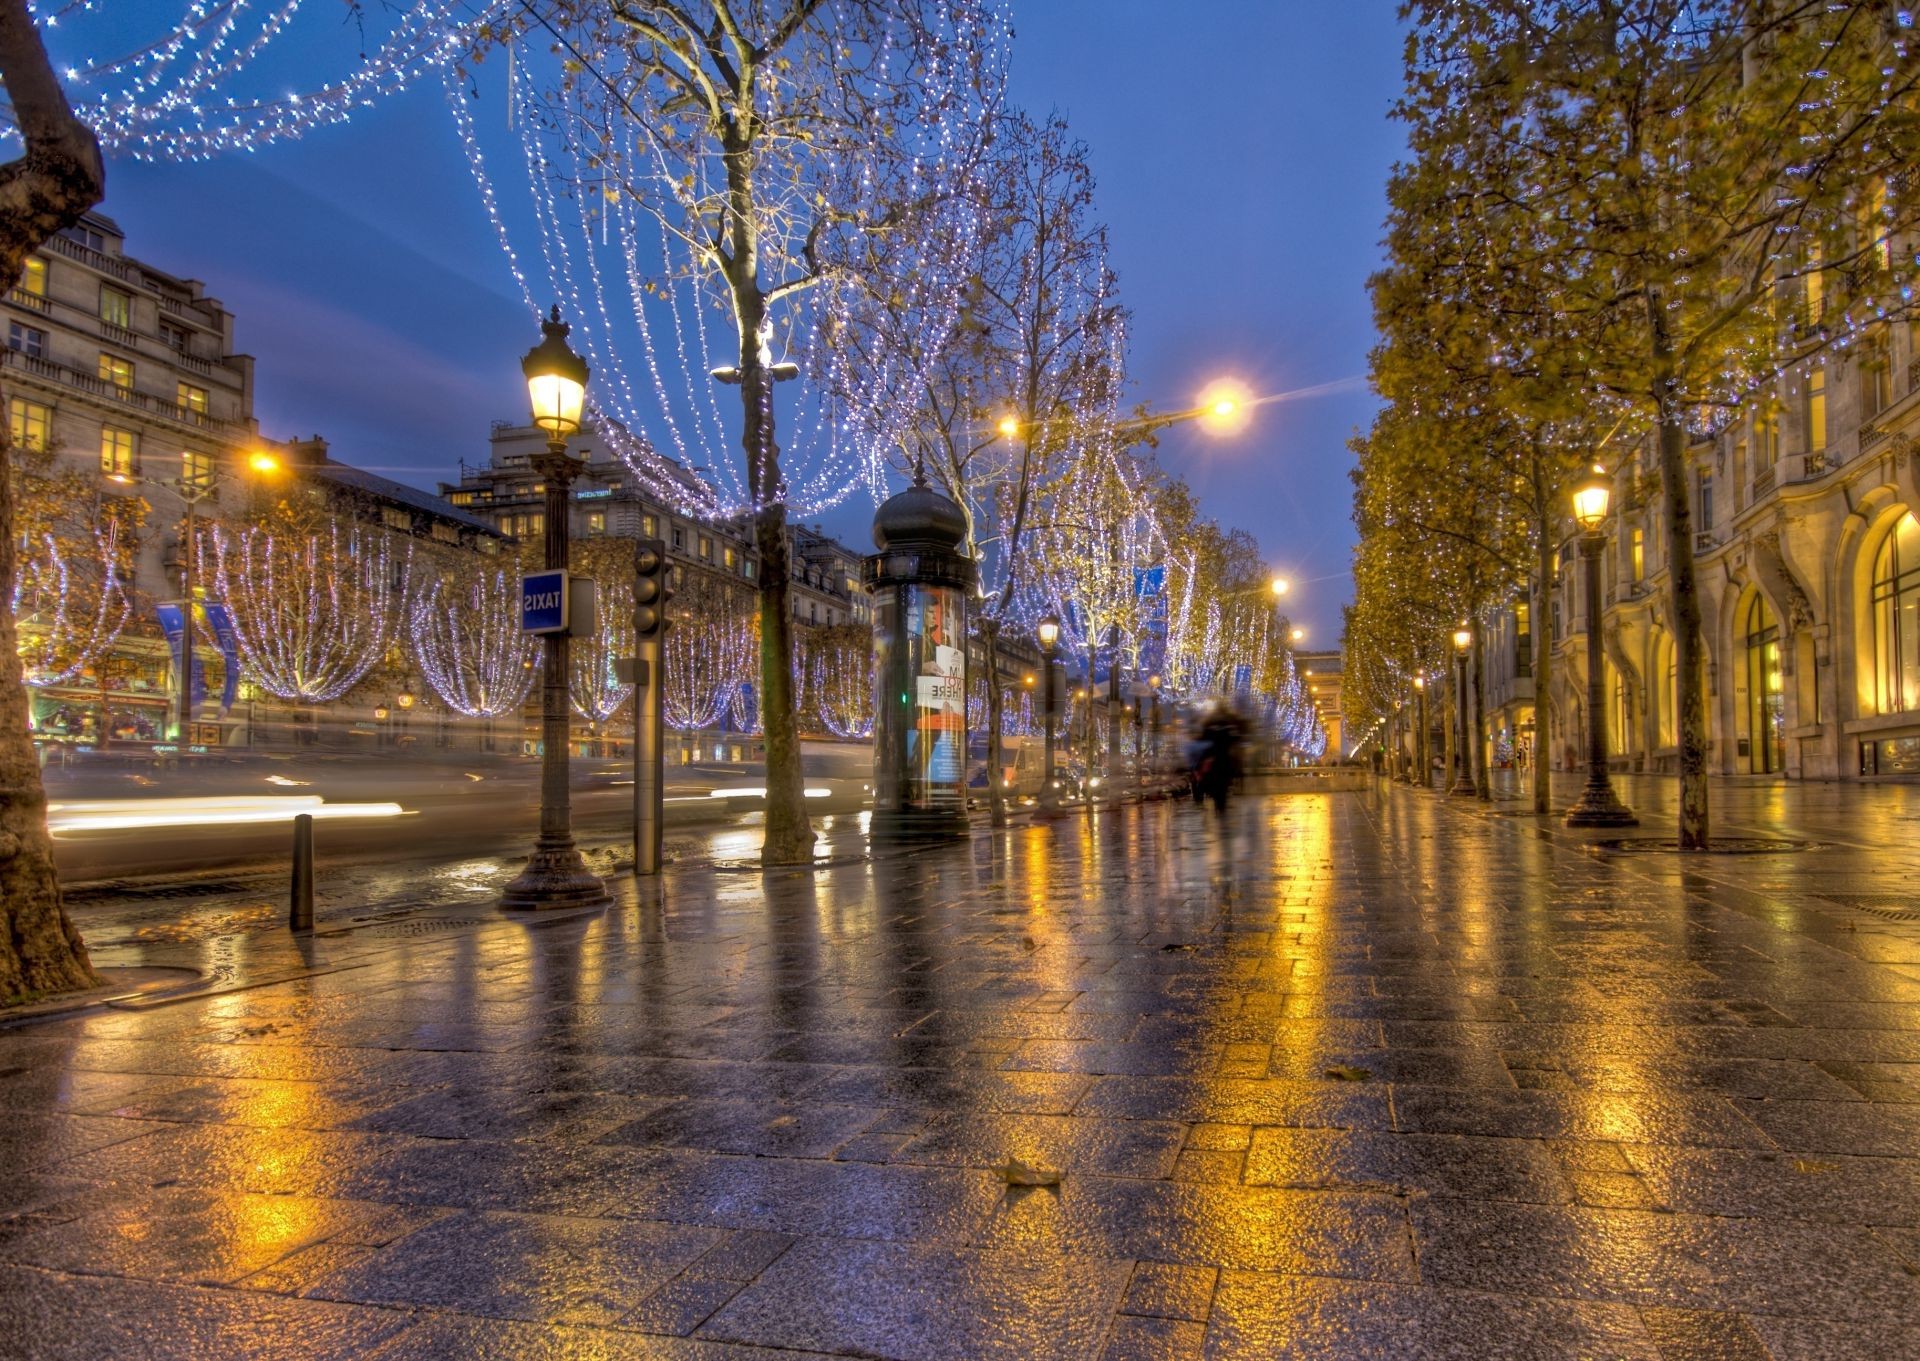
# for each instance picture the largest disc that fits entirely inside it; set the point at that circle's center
(1345, 1073)
(1812, 1165)
(1017, 1173)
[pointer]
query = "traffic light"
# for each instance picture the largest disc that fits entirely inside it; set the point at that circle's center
(650, 589)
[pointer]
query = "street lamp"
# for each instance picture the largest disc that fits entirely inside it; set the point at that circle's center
(1279, 586)
(1463, 777)
(1049, 634)
(1598, 805)
(555, 875)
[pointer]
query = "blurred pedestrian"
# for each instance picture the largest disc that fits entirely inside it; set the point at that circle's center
(1222, 734)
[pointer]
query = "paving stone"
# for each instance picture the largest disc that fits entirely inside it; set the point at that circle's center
(1434, 1164)
(1164, 1291)
(546, 1268)
(1300, 1318)
(1684, 1261)
(896, 1300)
(1134, 1338)
(85, 1318)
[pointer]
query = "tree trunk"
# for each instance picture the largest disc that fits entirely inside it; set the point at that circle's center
(54, 181)
(1683, 590)
(1543, 670)
(996, 785)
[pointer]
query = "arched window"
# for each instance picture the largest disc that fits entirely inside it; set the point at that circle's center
(1766, 706)
(1896, 619)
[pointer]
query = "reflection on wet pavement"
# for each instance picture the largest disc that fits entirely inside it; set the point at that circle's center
(1349, 1075)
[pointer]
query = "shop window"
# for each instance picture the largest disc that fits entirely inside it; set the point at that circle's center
(119, 452)
(1766, 704)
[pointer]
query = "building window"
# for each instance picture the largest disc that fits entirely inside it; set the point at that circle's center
(33, 280)
(29, 423)
(706, 549)
(1766, 435)
(29, 340)
(445, 533)
(1876, 378)
(117, 371)
(729, 557)
(1766, 708)
(1896, 619)
(748, 570)
(679, 539)
(196, 469)
(1703, 502)
(89, 238)
(596, 522)
(1815, 283)
(393, 517)
(460, 498)
(190, 399)
(119, 451)
(116, 308)
(1637, 552)
(1817, 409)
(1669, 692)
(175, 338)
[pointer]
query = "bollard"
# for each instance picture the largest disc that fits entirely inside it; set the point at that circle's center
(300, 911)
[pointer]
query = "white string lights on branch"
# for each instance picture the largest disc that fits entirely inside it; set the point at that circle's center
(69, 609)
(710, 651)
(313, 610)
(597, 691)
(210, 77)
(615, 203)
(838, 681)
(466, 637)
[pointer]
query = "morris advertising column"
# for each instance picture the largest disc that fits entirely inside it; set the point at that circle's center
(920, 582)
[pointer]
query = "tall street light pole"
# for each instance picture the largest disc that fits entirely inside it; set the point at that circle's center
(1049, 631)
(1598, 805)
(1463, 777)
(555, 875)
(1420, 738)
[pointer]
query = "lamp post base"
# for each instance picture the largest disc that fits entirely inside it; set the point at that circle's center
(555, 877)
(1462, 788)
(1599, 806)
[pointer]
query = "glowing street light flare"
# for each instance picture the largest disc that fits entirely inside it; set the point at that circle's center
(1009, 426)
(1226, 406)
(1280, 585)
(260, 461)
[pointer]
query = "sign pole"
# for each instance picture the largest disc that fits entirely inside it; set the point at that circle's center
(651, 593)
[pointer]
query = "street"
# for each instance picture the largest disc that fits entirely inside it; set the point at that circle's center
(399, 807)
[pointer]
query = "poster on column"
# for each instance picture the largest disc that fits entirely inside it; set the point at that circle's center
(937, 743)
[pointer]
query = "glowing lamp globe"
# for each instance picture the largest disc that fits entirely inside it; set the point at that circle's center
(1279, 585)
(1009, 426)
(556, 380)
(1590, 498)
(1463, 638)
(1419, 682)
(260, 461)
(1049, 631)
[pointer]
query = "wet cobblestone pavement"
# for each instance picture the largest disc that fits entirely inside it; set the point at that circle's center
(1350, 1075)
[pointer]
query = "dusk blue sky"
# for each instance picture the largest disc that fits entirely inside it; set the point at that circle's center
(1241, 148)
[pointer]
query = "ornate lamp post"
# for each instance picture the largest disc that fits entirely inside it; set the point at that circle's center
(1598, 806)
(1049, 633)
(1463, 777)
(555, 875)
(1420, 737)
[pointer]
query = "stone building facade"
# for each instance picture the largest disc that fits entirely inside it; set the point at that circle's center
(1807, 554)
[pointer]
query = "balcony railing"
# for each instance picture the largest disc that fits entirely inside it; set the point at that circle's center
(87, 255)
(99, 387)
(32, 301)
(120, 335)
(1763, 482)
(1703, 540)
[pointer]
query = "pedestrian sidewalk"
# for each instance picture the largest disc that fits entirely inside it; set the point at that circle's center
(1366, 1074)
